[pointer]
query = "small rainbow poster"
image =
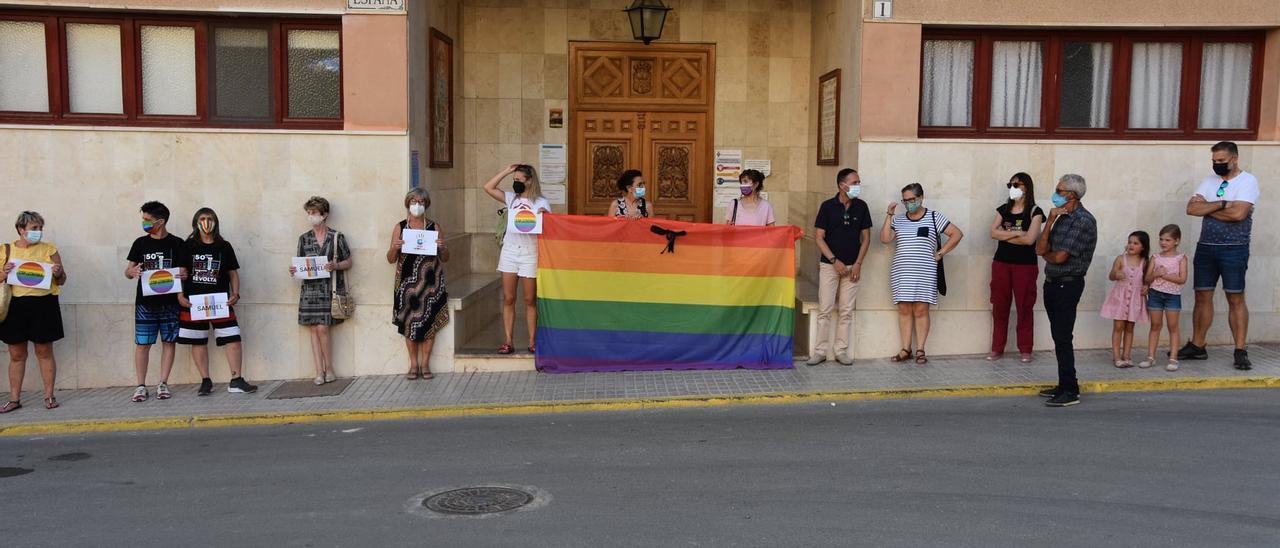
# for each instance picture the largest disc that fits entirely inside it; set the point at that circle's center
(31, 274)
(310, 268)
(523, 219)
(160, 282)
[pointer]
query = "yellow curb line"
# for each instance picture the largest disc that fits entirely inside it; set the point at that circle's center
(677, 402)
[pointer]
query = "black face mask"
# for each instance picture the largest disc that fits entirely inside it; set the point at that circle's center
(518, 187)
(1222, 169)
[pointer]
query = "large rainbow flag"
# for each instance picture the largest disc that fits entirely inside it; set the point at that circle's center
(610, 299)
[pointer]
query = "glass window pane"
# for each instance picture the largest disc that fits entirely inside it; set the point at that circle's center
(1017, 71)
(169, 70)
(1155, 85)
(1085, 100)
(315, 76)
(25, 85)
(947, 97)
(242, 75)
(1225, 79)
(93, 68)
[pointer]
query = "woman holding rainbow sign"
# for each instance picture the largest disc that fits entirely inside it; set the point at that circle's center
(519, 256)
(33, 315)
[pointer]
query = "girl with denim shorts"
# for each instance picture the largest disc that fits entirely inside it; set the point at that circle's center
(1166, 273)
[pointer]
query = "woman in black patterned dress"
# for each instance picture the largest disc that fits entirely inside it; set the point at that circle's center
(420, 303)
(315, 298)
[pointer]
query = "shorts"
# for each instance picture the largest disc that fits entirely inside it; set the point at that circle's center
(1159, 300)
(1226, 261)
(225, 330)
(155, 322)
(32, 319)
(524, 265)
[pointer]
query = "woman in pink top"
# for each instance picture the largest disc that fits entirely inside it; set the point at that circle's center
(1166, 273)
(1126, 302)
(751, 209)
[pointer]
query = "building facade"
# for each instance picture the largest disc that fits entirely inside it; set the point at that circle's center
(252, 107)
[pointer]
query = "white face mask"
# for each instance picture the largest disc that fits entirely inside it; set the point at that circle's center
(315, 220)
(1015, 193)
(417, 209)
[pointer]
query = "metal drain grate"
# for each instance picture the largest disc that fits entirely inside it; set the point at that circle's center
(471, 501)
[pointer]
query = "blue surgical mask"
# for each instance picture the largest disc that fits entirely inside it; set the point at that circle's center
(853, 191)
(639, 192)
(1058, 200)
(33, 236)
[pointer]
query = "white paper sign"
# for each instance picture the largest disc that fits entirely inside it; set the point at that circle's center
(523, 219)
(212, 306)
(310, 268)
(419, 242)
(164, 281)
(30, 274)
(375, 5)
(552, 162)
(728, 167)
(556, 194)
(763, 166)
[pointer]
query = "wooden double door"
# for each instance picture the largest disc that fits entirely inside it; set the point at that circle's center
(647, 108)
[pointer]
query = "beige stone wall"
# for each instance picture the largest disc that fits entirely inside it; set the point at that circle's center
(516, 70)
(447, 186)
(1132, 186)
(88, 184)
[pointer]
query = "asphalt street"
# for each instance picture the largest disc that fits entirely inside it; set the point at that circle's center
(1172, 469)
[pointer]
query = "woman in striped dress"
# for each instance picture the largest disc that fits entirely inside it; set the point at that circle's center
(913, 275)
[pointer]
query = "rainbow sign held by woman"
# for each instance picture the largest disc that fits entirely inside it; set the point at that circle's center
(610, 299)
(31, 274)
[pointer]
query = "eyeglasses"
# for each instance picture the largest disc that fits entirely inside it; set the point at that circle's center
(911, 201)
(1222, 188)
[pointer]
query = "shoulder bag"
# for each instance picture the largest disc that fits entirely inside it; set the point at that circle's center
(6, 293)
(733, 219)
(341, 306)
(942, 271)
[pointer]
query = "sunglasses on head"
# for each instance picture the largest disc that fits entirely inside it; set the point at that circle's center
(1222, 188)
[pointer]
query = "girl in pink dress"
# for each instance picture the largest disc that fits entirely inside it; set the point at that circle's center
(1166, 273)
(1126, 302)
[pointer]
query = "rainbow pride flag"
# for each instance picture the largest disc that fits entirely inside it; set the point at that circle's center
(610, 299)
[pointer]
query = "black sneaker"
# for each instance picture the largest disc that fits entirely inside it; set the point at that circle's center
(206, 386)
(240, 386)
(1063, 399)
(1190, 351)
(1242, 360)
(1050, 392)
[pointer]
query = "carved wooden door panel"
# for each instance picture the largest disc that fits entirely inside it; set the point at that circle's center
(650, 108)
(674, 158)
(610, 144)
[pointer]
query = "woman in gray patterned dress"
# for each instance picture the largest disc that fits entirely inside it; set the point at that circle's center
(421, 303)
(314, 300)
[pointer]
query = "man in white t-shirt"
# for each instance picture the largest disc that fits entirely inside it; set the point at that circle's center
(1226, 202)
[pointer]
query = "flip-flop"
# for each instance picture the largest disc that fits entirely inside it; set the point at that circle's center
(505, 349)
(11, 406)
(51, 403)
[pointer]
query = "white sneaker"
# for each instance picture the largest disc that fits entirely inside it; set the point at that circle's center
(139, 394)
(844, 359)
(163, 392)
(319, 380)
(816, 359)
(329, 376)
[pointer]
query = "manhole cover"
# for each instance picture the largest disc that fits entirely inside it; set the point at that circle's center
(472, 501)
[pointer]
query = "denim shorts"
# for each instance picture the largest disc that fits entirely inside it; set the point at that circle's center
(1226, 261)
(1159, 300)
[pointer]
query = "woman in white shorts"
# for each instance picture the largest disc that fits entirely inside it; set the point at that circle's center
(519, 256)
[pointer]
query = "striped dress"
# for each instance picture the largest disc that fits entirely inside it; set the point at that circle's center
(914, 274)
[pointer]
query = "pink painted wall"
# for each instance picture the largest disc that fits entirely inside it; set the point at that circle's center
(375, 72)
(890, 80)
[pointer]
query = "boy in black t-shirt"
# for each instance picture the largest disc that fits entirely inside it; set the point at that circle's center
(156, 316)
(213, 269)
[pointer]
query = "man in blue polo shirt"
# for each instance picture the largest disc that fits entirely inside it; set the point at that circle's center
(1225, 201)
(843, 235)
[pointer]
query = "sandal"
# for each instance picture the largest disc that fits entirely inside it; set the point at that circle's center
(412, 375)
(428, 376)
(11, 406)
(902, 356)
(532, 349)
(505, 349)
(51, 403)
(921, 358)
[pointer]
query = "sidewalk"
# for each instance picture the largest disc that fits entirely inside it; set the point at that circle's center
(460, 394)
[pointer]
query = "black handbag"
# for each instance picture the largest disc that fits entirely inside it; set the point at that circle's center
(942, 271)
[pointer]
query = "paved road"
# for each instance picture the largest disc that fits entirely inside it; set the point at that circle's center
(1183, 469)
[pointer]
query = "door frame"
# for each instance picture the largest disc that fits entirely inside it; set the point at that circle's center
(641, 105)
